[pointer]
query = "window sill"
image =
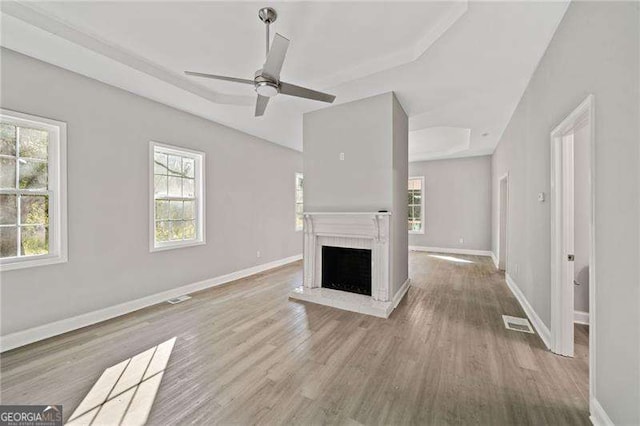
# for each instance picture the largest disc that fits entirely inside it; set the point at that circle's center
(299, 229)
(177, 245)
(32, 262)
(416, 232)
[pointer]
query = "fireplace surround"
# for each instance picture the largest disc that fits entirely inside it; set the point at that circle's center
(360, 231)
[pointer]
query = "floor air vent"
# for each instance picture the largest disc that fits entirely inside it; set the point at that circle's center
(179, 299)
(517, 324)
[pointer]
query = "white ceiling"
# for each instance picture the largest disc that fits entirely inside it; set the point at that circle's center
(458, 69)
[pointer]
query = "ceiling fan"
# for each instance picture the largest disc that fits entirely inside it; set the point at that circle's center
(267, 81)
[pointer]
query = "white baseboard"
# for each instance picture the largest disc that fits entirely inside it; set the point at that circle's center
(542, 329)
(598, 416)
(495, 260)
(581, 317)
(397, 298)
(24, 337)
(451, 250)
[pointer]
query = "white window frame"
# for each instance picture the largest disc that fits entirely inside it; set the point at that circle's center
(56, 190)
(295, 211)
(422, 224)
(199, 158)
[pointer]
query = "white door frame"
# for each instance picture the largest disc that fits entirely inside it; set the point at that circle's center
(562, 291)
(504, 177)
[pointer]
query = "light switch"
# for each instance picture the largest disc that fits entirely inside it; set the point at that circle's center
(342, 156)
(541, 196)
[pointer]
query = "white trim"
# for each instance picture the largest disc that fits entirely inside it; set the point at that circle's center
(295, 202)
(56, 187)
(495, 260)
(422, 212)
(562, 316)
(451, 250)
(35, 334)
(542, 329)
(397, 298)
(347, 213)
(504, 177)
(581, 317)
(199, 158)
(598, 416)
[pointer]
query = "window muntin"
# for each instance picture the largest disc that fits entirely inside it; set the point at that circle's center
(299, 205)
(177, 197)
(416, 205)
(32, 191)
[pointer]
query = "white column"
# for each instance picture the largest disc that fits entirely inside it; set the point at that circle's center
(309, 252)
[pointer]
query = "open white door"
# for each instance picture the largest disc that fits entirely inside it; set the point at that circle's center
(563, 230)
(502, 231)
(568, 234)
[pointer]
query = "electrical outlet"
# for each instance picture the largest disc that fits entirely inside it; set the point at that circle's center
(342, 156)
(461, 240)
(258, 253)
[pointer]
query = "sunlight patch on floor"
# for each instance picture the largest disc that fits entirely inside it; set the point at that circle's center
(125, 392)
(450, 258)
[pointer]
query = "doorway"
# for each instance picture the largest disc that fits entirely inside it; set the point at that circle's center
(572, 230)
(503, 226)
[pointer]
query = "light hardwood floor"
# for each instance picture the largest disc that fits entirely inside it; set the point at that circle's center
(244, 353)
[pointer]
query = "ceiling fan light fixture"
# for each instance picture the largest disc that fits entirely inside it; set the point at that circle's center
(266, 88)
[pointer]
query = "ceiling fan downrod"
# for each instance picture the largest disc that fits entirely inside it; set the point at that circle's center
(267, 15)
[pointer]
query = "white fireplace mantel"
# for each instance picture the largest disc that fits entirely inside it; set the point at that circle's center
(361, 230)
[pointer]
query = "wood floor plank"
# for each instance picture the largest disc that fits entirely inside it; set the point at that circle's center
(246, 354)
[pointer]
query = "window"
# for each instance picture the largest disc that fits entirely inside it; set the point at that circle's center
(177, 197)
(33, 222)
(299, 205)
(416, 205)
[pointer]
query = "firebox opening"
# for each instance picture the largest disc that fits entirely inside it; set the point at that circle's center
(346, 269)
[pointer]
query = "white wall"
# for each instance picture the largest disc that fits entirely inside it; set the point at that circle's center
(457, 203)
(249, 184)
(582, 204)
(594, 51)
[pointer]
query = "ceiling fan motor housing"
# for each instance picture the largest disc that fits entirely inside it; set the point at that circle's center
(264, 86)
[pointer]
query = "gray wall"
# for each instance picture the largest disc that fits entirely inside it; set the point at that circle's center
(457, 203)
(249, 183)
(399, 223)
(595, 50)
(362, 130)
(373, 135)
(582, 204)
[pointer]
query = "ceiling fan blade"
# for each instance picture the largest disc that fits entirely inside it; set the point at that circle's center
(303, 92)
(275, 57)
(220, 77)
(261, 105)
